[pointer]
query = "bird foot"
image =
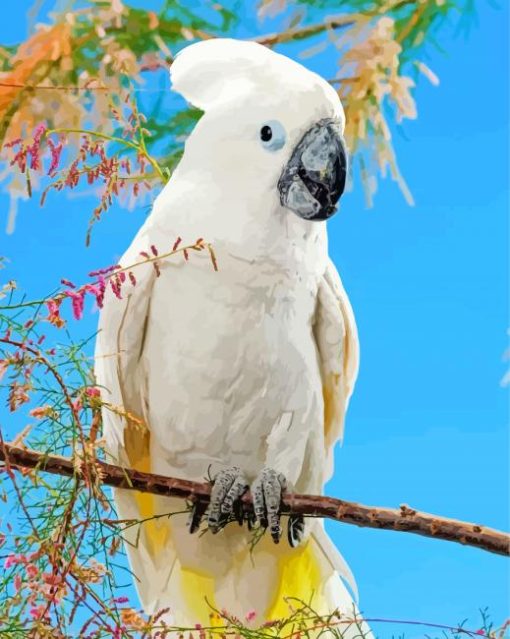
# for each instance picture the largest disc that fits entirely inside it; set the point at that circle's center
(267, 492)
(228, 487)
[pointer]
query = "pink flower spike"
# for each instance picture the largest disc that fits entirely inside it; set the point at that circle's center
(77, 302)
(15, 142)
(105, 271)
(39, 131)
(56, 151)
(250, 615)
(12, 560)
(37, 612)
(17, 582)
(121, 599)
(32, 571)
(67, 283)
(116, 289)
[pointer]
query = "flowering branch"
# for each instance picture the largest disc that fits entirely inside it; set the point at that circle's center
(115, 276)
(403, 519)
(139, 147)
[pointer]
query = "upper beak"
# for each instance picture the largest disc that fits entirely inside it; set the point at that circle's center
(314, 178)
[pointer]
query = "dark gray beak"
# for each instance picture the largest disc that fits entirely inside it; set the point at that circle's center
(314, 179)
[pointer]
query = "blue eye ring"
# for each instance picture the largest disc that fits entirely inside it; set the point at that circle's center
(272, 135)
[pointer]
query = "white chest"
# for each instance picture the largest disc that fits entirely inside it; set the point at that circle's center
(229, 352)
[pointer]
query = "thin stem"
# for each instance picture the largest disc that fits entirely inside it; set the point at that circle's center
(139, 148)
(190, 247)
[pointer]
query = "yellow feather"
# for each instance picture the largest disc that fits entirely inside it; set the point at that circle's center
(331, 404)
(198, 591)
(137, 445)
(301, 578)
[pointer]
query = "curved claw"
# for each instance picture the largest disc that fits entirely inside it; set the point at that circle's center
(267, 493)
(228, 486)
(295, 530)
(197, 512)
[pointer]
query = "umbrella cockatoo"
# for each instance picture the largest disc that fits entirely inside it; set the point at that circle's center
(246, 372)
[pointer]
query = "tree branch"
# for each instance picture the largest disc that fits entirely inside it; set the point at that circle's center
(301, 33)
(329, 24)
(403, 519)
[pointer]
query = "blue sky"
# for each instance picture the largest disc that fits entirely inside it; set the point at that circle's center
(428, 423)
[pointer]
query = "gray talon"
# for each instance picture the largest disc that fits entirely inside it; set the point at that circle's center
(228, 486)
(267, 493)
(295, 530)
(197, 512)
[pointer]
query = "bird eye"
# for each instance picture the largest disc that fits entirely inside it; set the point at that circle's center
(272, 135)
(266, 133)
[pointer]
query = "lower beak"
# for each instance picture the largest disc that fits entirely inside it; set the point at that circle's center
(314, 178)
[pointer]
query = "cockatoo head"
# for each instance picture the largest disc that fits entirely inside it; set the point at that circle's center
(269, 124)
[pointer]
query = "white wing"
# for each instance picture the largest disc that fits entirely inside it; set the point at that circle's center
(336, 337)
(119, 344)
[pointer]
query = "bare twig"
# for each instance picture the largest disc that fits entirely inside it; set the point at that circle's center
(403, 519)
(301, 33)
(330, 24)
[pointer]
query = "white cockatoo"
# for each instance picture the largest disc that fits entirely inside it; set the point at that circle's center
(246, 372)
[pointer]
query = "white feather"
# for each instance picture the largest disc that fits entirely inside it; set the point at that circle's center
(224, 366)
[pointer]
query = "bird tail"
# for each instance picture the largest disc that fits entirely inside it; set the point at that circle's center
(195, 575)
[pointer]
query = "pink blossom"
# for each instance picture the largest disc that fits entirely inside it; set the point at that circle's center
(92, 391)
(38, 612)
(104, 271)
(32, 571)
(54, 313)
(15, 142)
(114, 285)
(77, 302)
(56, 151)
(35, 148)
(250, 615)
(121, 599)
(73, 175)
(12, 560)
(51, 578)
(100, 296)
